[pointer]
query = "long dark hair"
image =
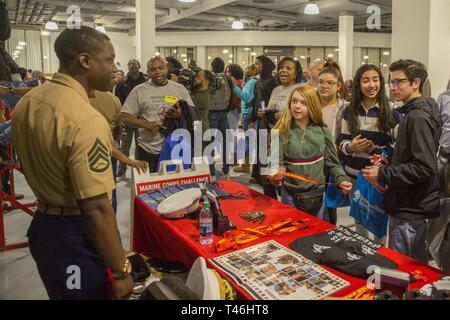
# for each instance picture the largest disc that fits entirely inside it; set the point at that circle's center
(298, 68)
(268, 67)
(386, 120)
(236, 71)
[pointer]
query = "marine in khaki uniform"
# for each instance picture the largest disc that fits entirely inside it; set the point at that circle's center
(64, 146)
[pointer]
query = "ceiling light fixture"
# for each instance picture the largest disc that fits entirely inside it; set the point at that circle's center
(247, 49)
(22, 43)
(45, 33)
(209, 58)
(237, 25)
(19, 47)
(312, 8)
(187, 1)
(230, 56)
(386, 53)
(253, 54)
(366, 57)
(225, 51)
(302, 57)
(51, 25)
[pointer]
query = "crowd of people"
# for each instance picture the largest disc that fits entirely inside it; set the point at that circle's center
(332, 133)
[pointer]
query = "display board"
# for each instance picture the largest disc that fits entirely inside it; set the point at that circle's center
(270, 271)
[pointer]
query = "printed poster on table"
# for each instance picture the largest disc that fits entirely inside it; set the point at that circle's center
(270, 271)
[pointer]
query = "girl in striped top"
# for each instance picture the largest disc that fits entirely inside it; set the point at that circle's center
(307, 149)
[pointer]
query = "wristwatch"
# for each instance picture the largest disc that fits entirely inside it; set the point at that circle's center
(126, 271)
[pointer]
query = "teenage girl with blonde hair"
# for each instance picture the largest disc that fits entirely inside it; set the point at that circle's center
(306, 148)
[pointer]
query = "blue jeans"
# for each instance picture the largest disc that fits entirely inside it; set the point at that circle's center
(408, 236)
(219, 120)
(59, 243)
(245, 122)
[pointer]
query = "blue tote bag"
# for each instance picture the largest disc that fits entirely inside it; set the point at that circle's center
(334, 198)
(166, 152)
(367, 207)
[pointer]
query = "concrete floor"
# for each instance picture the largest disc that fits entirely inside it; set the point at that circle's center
(19, 278)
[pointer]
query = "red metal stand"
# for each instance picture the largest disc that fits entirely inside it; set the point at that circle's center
(25, 207)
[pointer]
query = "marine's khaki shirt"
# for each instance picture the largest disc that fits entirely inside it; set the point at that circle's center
(63, 143)
(109, 107)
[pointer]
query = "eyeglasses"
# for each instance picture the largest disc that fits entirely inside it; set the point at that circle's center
(397, 82)
(330, 84)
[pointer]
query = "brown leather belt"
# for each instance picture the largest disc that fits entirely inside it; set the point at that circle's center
(58, 211)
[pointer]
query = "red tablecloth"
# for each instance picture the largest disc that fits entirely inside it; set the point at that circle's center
(177, 240)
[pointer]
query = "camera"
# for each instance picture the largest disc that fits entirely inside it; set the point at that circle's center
(186, 77)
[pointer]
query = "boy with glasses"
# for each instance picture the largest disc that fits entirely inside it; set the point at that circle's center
(412, 194)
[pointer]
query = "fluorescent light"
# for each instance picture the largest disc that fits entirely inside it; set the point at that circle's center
(247, 49)
(237, 25)
(296, 59)
(185, 60)
(51, 25)
(45, 33)
(302, 57)
(187, 1)
(243, 62)
(225, 51)
(184, 55)
(100, 29)
(209, 58)
(157, 54)
(386, 53)
(312, 8)
(330, 55)
(366, 57)
(253, 54)
(175, 51)
(385, 65)
(45, 58)
(230, 56)
(337, 50)
(22, 43)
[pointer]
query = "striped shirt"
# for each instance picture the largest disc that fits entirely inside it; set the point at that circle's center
(354, 162)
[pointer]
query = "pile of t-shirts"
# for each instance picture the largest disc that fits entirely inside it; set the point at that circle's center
(343, 250)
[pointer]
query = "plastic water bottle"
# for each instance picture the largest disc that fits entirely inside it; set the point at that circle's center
(206, 224)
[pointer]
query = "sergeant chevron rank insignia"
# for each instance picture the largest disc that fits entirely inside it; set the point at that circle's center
(98, 157)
